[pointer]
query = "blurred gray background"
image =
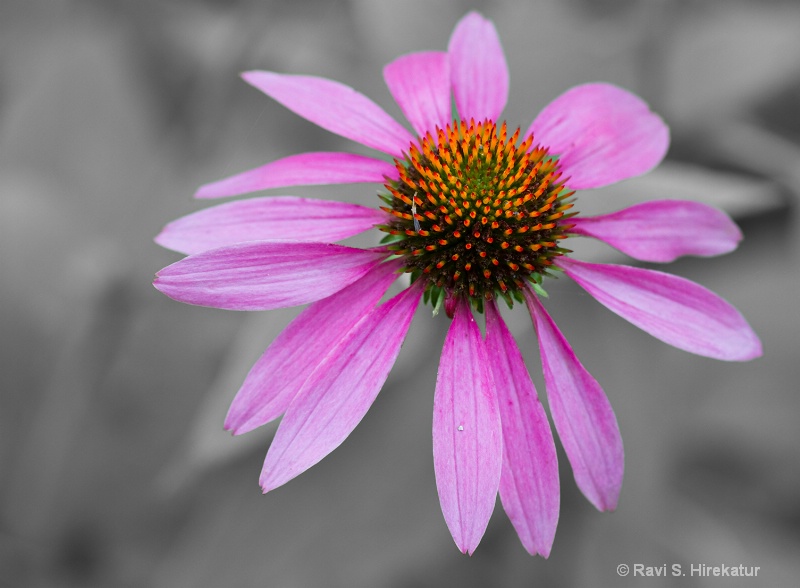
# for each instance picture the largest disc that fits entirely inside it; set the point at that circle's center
(115, 469)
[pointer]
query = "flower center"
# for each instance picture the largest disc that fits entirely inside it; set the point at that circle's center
(475, 213)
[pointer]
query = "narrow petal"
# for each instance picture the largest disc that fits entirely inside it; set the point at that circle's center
(304, 169)
(336, 108)
(301, 347)
(478, 69)
(420, 84)
(339, 392)
(675, 310)
(663, 230)
(263, 275)
(467, 439)
(581, 413)
(274, 218)
(529, 486)
(602, 134)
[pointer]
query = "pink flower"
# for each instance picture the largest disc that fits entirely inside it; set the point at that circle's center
(473, 215)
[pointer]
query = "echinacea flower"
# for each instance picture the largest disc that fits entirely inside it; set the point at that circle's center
(474, 214)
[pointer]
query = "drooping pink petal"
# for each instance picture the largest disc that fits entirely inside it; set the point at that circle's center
(420, 84)
(663, 230)
(602, 134)
(301, 347)
(467, 438)
(478, 69)
(581, 413)
(336, 108)
(339, 392)
(264, 275)
(529, 486)
(304, 169)
(673, 309)
(273, 218)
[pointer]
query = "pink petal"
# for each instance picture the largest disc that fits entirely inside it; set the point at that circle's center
(274, 218)
(663, 230)
(264, 275)
(420, 84)
(582, 414)
(301, 347)
(673, 309)
(467, 438)
(339, 392)
(529, 486)
(479, 72)
(336, 108)
(602, 134)
(304, 169)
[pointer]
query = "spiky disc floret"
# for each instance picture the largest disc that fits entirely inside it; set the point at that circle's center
(476, 213)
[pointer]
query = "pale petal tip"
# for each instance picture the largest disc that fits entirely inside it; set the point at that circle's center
(543, 549)
(207, 191)
(604, 499)
(734, 230)
(597, 500)
(250, 75)
(752, 348)
(162, 285)
(276, 475)
(610, 505)
(749, 344)
(473, 15)
(239, 425)
(235, 185)
(165, 288)
(241, 422)
(466, 547)
(165, 240)
(233, 425)
(541, 545)
(268, 483)
(158, 239)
